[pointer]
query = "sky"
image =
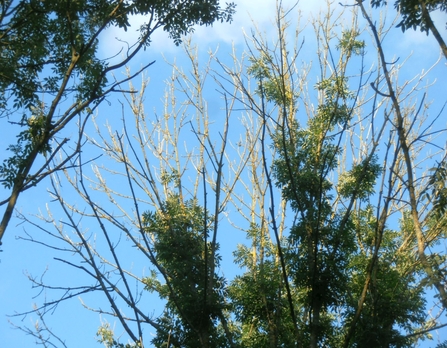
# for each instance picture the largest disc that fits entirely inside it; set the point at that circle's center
(20, 258)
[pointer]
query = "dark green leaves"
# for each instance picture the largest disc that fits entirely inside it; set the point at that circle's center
(178, 17)
(193, 292)
(412, 12)
(437, 190)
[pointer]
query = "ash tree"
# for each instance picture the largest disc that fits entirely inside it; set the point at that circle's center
(329, 173)
(52, 76)
(195, 297)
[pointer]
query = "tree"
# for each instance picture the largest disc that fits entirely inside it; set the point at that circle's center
(195, 297)
(52, 73)
(324, 169)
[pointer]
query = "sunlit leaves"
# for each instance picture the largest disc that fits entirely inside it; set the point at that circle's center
(334, 110)
(179, 231)
(395, 298)
(360, 180)
(348, 43)
(334, 88)
(106, 336)
(271, 85)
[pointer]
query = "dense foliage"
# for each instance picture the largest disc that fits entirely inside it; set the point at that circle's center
(195, 298)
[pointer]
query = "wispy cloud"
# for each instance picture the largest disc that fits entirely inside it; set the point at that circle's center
(248, 14)
(251, 13)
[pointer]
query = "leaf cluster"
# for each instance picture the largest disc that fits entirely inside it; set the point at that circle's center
(412, 14)
(179, 230)
(178, 16)
(359, 181)
(395, 298)
(106, 336)
(270, 85)
(437, 190)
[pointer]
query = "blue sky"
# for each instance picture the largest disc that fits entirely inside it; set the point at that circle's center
(19, 258)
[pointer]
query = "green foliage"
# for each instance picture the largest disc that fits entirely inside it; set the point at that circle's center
(106, 336)
(334, 88)
(411, 12)
(11, 168)
(169, 177)
(35, 138)
(348, 43)
(195, 297)
(437, 187)
(260, 307)
(178, 17)
(307, 156)
(260, 67)
(271, 86)
(360, 180)
(329, 245)
(326, 263)
(395, 301)
(47, 34)
(41, 34)
(258, 296)
(320, 240)
(49, 50)
(412, 16)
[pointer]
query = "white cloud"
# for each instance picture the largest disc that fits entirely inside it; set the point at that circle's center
(248, 13)
(251, 13)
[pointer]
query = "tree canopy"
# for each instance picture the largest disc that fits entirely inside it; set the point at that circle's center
(290, 195)
(51, 72)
